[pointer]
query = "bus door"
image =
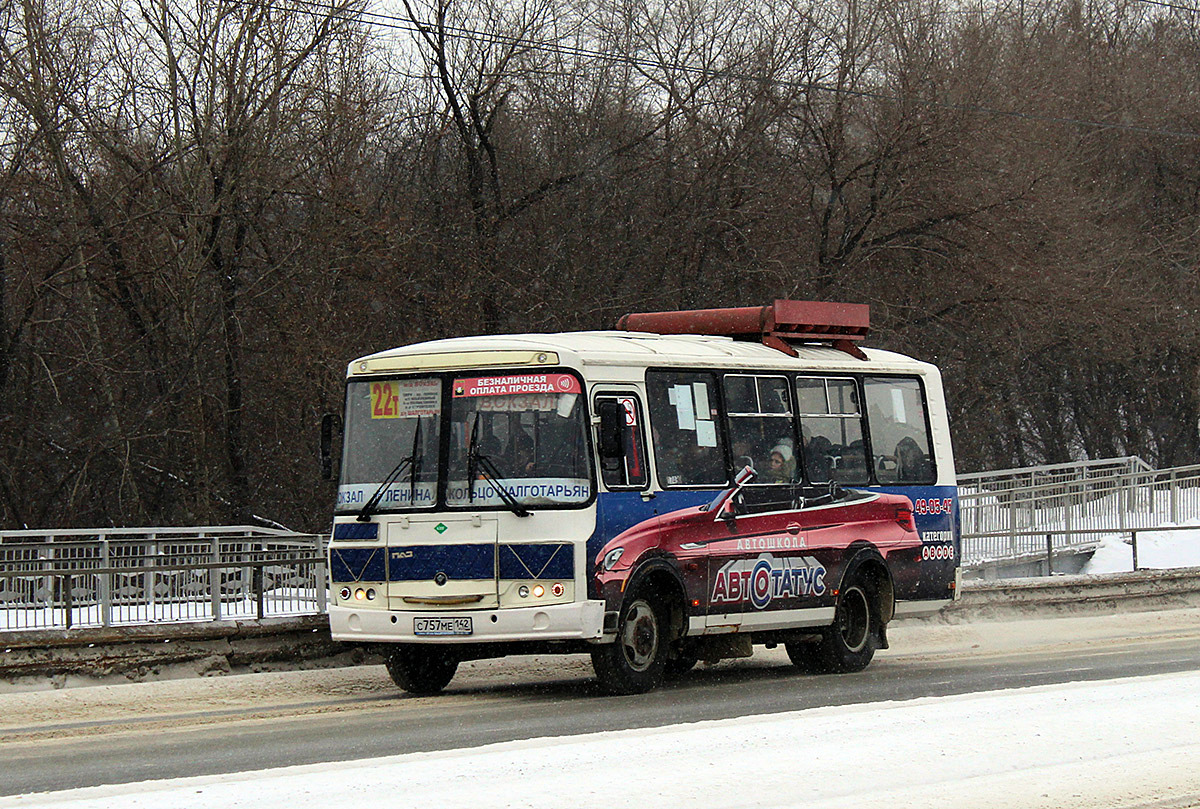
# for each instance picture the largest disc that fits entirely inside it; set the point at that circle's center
(625, 499)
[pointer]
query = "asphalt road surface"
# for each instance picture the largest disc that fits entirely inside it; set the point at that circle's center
(56, 740)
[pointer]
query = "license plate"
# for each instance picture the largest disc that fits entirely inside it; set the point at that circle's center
(442, 626)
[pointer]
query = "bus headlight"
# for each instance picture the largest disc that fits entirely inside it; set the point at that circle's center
(611, 558)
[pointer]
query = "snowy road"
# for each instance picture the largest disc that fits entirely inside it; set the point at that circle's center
(1060, 737)
(1116, 743)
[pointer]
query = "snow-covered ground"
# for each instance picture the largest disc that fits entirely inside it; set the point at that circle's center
(1117, 743)
(1156, 549)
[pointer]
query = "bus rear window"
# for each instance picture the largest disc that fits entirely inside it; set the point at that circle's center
(899, 435)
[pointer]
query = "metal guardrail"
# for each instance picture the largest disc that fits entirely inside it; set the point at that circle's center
(1031, 475)
(64, 579)
(102, 578)
(1050, 543)
(1008, 514)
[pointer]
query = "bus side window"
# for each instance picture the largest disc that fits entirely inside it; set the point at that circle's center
(688, 440)
(832, 430)
(899, 431)
(630, 472)
(760, 427)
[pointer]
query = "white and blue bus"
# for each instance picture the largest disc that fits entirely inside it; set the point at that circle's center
(679, 489)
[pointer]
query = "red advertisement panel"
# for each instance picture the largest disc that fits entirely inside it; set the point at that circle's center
(512, 385)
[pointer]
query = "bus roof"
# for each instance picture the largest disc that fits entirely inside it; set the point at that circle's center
(621, 348)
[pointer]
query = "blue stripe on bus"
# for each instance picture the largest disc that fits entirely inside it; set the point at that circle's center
(357, 564)
(458, 562)
(356, 530)
(537, 561)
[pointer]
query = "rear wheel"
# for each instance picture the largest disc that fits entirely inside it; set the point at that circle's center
(634, 663)
(421, 669)
(849, 643)
(805, 655)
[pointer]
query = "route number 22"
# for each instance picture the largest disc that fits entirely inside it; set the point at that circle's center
(385, 400)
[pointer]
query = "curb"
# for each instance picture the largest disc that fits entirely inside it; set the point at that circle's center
(1131, 592)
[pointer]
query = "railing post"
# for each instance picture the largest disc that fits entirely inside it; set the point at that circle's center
(1069, 513)
(67, 599)
(323, 587)
(104, 584)
(1122, 513)
(1049, 554)
(256, 578)
(214, 578)
(1174, 499)
(150, 579)
(1133, 535)
(48, 567)
(1012, 524)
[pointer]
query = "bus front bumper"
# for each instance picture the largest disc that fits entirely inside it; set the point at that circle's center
(581, 620)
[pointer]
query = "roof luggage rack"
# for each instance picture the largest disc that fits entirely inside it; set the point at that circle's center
(780, 325)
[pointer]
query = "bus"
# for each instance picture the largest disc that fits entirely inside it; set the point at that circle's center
(679, 489)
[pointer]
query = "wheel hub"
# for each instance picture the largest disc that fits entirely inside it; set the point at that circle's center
(640, 638)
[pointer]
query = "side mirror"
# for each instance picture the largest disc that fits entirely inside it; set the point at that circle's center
(612, 432)
(330, 424)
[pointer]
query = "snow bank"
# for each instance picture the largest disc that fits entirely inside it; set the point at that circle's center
(1156, 549)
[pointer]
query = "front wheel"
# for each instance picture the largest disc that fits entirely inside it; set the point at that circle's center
(678, 665)
(634, 663)
(421, 670)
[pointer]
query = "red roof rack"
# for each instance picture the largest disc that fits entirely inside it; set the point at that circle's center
(779, 325)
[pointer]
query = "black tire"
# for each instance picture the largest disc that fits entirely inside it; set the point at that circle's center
(805, 655)
(634, 663)
(849, 644)
(679, 665)
(421, 670)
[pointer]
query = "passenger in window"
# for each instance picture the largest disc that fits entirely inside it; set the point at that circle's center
(818, 455)
(911, 464)
(782, 468)
(702, 465)
(743, 454)
(523, 461)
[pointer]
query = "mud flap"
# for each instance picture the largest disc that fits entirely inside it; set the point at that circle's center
(712, 648)
(881, 641)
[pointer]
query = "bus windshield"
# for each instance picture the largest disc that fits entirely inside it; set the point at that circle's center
(530, 444)
(531, 441)
(382, 435)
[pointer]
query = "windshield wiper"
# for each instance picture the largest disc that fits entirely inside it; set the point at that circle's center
(414, 466)
(478, 463)
(410, 461)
